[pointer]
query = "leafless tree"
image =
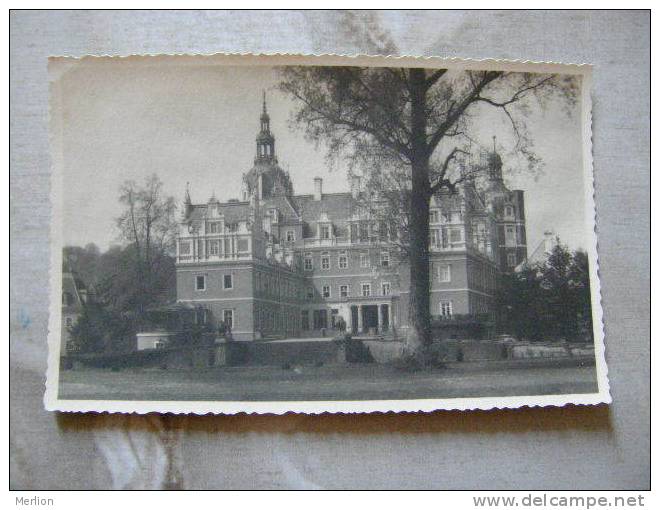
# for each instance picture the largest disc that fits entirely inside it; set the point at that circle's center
(148, 224)
(408, 129)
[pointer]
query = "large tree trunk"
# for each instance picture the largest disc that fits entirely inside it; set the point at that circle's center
(419, 334)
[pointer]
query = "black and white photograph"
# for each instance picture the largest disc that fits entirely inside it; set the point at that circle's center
(271, 234)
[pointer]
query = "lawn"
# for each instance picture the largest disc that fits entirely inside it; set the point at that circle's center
(332, 382)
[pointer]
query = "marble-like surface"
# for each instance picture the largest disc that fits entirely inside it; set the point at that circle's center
(565, 448)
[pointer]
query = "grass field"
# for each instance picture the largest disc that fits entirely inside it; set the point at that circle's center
(332, 382)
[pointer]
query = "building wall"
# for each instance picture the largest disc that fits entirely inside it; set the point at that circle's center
(216, 298)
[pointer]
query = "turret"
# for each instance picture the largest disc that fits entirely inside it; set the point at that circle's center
(265, 139)
(266, 178)
(187, 203)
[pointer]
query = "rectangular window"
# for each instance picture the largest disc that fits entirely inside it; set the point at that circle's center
(310, 292)
(214, 227)
(325, 260)
(184, 248)
(455, 235)
(435, 240)
(445, 309)
(366, 289)
(510, 235)
(290, 236)
(304, 315)
(344, 291)
(320, 319)
(433, 217)
(511, 259)
(326, 291)
(228, 281)
(200, 282)
(228, 318)
(385, 258)
(382, 231)
(325, 232)
(364, 232)
(343, 260)
(214, 248)
(353, 232)
(334, 314)
(386, 289)
(445, 240)
(309, 264)
(444, 273)
(364, 259)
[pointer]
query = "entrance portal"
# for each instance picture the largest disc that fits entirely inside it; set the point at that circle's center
(370, 318)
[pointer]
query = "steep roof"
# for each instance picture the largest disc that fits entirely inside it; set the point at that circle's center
(338, 207)
(233, 212)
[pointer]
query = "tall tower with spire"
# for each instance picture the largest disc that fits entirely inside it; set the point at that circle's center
(266, 178)
(265, 139)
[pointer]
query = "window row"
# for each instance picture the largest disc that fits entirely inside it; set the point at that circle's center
(437, 216)
(227, 282)
(215, 247)
(444, 237)
(344, 291)
(364, 260)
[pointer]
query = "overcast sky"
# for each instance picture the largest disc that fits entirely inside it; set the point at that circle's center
(197, 123)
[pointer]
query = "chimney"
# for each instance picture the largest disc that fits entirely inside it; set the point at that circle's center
(318, 188)
(355, 186)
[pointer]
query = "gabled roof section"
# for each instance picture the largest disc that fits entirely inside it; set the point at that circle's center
(338, 207)
(233, 212)
(288, 211)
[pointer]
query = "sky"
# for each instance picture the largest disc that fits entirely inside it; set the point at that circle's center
(196, 123)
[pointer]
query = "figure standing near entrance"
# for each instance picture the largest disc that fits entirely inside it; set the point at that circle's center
(341, 324)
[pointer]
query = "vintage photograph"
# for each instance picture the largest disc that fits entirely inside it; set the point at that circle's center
(321, 234)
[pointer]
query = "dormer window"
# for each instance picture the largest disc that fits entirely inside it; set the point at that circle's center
(508, 211)
(325, 231)
(273, 215)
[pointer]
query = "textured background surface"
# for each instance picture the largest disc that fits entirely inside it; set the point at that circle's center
(530, 448)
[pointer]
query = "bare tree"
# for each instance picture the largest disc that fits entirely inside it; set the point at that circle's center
(411, 127)
(148, 225)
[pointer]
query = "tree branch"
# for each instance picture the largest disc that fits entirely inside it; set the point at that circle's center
(442, 181)
(431, 80)
(455, 113)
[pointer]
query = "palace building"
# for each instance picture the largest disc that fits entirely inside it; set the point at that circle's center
(277, 264)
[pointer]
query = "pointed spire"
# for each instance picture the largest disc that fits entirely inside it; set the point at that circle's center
(187, 196)
(264, 100)
(494, 143)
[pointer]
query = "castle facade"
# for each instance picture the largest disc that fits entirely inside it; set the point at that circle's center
(277, 264)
